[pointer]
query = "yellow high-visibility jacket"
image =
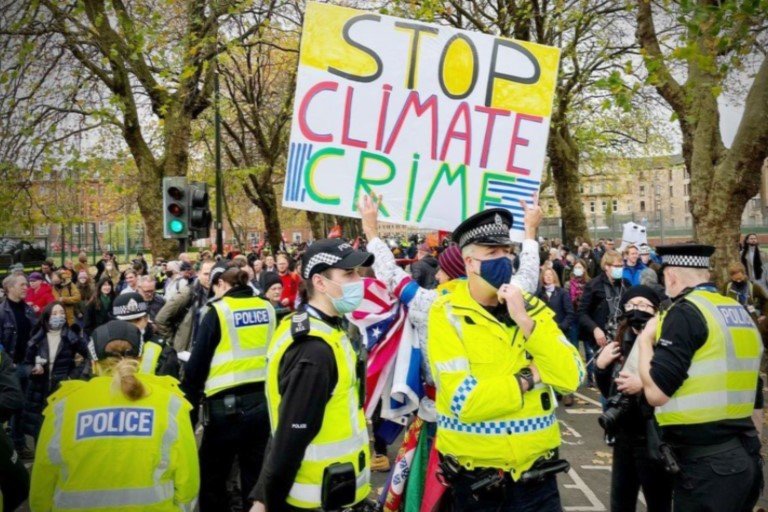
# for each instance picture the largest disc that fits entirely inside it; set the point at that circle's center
(483, 419)
(99, 451)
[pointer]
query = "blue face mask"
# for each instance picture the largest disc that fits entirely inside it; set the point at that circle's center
(617, 272)
(497, 271)
(351, 297)
(57, 322)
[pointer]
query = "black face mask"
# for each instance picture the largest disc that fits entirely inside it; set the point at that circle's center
(637, 319)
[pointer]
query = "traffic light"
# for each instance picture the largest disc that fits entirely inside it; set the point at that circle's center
(175, 211)
(199, 211)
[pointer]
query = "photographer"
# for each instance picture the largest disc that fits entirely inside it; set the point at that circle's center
(628, 416)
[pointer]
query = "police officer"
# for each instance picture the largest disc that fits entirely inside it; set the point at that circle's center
(158, 358)
(228, 366)
(315, 390)
(498, 356)
(699, 366)
(121, 441)
(14, 479)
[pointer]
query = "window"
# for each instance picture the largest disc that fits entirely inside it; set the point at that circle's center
(671, 191)
(642, 190)
(550, 208)
(605, 206)
(615, 205)
(42, 230)
(687, 205)
(103, 226)
(687, 189)
(642, 206)
(756, 203)
(592, 206)
(581, 189)
(670, 175)
(591, 188)
(76, 229)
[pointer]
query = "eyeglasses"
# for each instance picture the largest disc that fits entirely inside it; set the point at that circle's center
(648, 308)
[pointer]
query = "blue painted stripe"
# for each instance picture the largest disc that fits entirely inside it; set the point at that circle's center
(525, 180)
(522, 193)
(297, 171)
(514, 186)
(289, 178)
(302, 188)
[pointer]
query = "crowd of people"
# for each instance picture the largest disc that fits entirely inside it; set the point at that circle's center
(115, 365)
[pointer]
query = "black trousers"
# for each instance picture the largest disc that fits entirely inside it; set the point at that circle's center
(731, 481)
(633, 470)
(511, 496)
(14, 479)
(244, 435)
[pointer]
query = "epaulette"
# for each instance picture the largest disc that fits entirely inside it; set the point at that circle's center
(300, 324)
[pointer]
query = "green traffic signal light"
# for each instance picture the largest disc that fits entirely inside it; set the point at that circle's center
(176, 226)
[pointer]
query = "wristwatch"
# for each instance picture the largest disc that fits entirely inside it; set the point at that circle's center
(526, 375)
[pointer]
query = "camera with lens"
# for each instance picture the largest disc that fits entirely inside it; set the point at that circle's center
(618, 403)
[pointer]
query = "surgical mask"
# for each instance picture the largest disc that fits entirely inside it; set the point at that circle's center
(617, 272)
(57, 322)
(497, 271)
(637, 318)
(578, 272)
(351, 296)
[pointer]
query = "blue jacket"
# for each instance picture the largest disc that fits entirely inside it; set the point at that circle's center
(560, 303)
(632, 274)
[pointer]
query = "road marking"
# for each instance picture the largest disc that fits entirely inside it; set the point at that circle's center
(570, 429)
(584, 411)
(595, 505)
(590, 400)
(608, 468)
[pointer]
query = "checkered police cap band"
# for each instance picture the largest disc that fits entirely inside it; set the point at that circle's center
(496, 229)
(323, 257)
(130, 311)
(682, 260)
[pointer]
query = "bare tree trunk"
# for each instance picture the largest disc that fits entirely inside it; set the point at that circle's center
(263, 196)
(351, 227)
(315, 224)
(564, 162)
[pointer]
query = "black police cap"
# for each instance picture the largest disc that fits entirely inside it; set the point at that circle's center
(112, 331)
(332, 253)
(489, 227)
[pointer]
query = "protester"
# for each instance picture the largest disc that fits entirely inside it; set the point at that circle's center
(423, 270)
(39, 293)
(99, 308)
(753, 259)
(178, 320)
(82, 263)
(630, 420)
(269, 263)
(559, 301)
(273, 291)
(176, 281)
(106, 256)
(47, 269)
(66, 292)
(580, 276)
(632, 265)
(148, 288)
(14, 478)
(87, 290)
(290, 281)
(111, 271)
(51, 353)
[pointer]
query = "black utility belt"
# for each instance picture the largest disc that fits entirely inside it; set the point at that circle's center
(697, 452)
(488, 478)
(226, 404)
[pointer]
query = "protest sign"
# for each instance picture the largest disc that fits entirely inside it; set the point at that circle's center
(443, 122)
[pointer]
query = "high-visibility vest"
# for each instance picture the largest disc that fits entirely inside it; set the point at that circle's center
(246, 325)
(150, 355)
(723, 373)
(100, 451)
(483, 419)
(343, 436)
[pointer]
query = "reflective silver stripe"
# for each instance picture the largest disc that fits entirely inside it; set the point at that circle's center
(236, 378)
(452, 319)
(320, 452)
(457, 364)
(310, 493)
(708, 400)
(113, 498)
(54, 446)
(234, 339)
(149, 357)
(222, 357)
(276, 346)
(170, 436)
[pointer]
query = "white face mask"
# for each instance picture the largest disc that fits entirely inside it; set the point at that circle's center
(578, 272)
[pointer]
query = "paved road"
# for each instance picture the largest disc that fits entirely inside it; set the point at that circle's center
(586, 487)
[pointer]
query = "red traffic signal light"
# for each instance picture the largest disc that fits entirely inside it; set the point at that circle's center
(176, 193)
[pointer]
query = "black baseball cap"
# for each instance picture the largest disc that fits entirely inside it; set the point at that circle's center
(111, 331)
(333, 253)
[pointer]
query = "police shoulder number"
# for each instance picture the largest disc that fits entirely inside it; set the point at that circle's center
(299, 324)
